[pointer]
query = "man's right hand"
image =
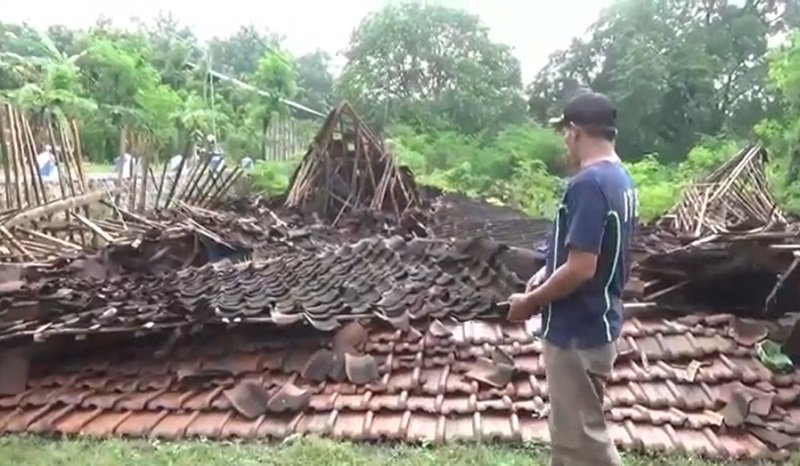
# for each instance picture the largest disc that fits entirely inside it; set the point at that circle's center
(536, 280)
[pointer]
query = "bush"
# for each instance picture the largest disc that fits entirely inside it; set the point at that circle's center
(272, 177)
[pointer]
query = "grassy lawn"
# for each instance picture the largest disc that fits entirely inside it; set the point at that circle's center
(34, 451)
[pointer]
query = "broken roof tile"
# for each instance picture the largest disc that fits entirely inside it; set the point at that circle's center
(249, 398)
(748, 332)
(491, 373)
(360, 369)
(289, 398)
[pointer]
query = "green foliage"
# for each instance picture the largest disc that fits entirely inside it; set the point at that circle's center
(676, 70)
(431, 66)
(657, 186)
(272, 177)
(660, 186)
(447, 94)
(511, 167)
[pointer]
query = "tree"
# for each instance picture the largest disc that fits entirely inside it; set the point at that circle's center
(52, 88)
(238, 55)
(129, 93)
(274, 75)
(431, 65)
(676, 69)
(315, 81)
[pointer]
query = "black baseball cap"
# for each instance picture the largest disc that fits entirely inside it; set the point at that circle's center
(588, 109)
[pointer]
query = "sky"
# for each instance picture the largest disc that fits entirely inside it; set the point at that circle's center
(534, 28)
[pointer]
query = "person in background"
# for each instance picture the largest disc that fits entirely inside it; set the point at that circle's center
(125, 165)
(580, 288)
(217, 162)
(47, 164)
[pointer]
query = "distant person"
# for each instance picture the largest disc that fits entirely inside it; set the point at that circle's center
(46, 162)
(580, 288)
(125, 165)
(217, 162)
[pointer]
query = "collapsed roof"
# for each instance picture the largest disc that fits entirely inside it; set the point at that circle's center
(385, 321)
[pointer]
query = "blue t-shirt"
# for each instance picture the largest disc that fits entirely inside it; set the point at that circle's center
(597, 215)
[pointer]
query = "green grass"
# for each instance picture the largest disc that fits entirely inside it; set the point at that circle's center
(36, 451)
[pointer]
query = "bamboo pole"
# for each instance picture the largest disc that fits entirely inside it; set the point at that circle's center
(61, 205)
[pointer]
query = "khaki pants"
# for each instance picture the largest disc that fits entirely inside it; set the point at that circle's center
(576, 382)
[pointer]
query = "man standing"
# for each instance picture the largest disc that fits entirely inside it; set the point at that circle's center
(580, 288)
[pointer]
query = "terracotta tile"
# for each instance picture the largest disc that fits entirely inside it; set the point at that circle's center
(423, 427)
(483, 332)
(170, 400)
(621, 395)
(387, 425)
(657, 395)
(529, 363)
(739, 445)
(696, 443)
(319, 366)
(349, 425)
(434, 380)
(692, 396)
(289, 397)
(276, 425)
(393, 402)
(533, 430)
(104, 424)
(360, 369)
(45, 421)
(241, 427)
(495, 426)
(618, 433)
(713, 345)
(21, 419)
(653, 438)
(136, 401)
(403, 379)
(747, 332)
(74, 421)
(248, 398)
(458, 405)
(457, 383)
(459, 428)
(490, 373)
(101, 400)
(319, 423)
(203, 399)
(140, 423)
(31, 398)
(173, 426)
(208, 424)
(154, 382)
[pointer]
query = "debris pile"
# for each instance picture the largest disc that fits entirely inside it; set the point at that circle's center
(726, 244)
(346, 169)
(360, 307)
(51, 206)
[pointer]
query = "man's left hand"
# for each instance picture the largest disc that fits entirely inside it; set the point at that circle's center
(523, 306)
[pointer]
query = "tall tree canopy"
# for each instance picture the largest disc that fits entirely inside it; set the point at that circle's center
(677, 69)
(433, 65)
